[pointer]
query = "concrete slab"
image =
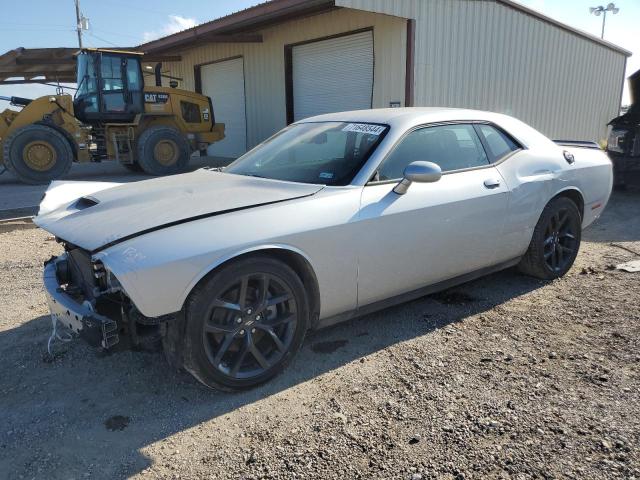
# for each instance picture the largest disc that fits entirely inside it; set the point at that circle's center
(18, 199)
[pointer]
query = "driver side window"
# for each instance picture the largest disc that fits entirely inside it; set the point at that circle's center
(452, 147)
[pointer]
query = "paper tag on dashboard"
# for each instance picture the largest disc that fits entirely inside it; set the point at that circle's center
(364, 128)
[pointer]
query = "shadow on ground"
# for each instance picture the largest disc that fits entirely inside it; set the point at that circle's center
(620, 221)
(86, 413)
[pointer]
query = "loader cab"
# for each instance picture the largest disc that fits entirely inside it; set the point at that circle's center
(110, 86)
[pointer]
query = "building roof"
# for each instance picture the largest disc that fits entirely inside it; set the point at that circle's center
(234, 27)
(239, 26)
(564, 26)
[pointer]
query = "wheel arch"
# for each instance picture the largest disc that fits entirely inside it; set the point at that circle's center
(293, 257)
(150, 121)
(573, 194)
(72, 143)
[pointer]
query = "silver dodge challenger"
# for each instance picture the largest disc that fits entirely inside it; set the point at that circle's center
(333, 217)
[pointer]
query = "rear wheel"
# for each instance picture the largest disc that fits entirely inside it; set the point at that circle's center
(555, 242)
(37, 154)
(132, 167)
(163, 151)
(245, 323)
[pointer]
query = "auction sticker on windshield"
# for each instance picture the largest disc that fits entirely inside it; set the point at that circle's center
(364, 128)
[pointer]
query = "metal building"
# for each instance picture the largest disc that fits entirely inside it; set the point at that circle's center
(283, 60)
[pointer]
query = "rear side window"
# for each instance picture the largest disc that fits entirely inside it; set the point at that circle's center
(190, 112)
(498, 143)
(452, 147)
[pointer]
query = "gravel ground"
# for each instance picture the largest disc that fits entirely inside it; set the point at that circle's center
(504, 377)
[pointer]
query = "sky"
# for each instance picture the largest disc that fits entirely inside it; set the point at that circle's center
(51, 23)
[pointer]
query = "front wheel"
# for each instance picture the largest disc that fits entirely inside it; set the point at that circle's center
(38, 154)
(245, 323)
(555, 242)
(133, 167)
(163, 151)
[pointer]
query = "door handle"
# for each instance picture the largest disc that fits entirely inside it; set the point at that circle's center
(492, 183)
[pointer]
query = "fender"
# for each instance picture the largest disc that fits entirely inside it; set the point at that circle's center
(231, 256)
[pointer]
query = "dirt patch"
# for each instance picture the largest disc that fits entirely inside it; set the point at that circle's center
(516, 379)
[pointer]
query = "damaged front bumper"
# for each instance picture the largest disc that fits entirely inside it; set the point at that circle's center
(78, 316)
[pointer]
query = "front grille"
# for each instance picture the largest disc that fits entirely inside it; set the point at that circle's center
(81, 272)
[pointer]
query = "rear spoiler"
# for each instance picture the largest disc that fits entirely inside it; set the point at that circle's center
(577, 143)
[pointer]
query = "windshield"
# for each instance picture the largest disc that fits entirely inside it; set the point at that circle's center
(327, 153)
(86, 76)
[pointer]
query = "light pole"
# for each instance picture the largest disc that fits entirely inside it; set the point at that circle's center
(603, 10)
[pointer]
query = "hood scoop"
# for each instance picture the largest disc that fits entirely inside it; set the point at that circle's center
(86, 202)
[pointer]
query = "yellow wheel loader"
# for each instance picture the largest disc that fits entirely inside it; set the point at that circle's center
(113, 115)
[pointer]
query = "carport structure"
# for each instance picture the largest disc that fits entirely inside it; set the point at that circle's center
(38, 65)
(52, 66)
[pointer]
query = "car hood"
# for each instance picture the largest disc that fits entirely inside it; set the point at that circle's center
(95, 215)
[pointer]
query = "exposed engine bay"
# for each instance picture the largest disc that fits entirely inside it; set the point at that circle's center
(91, 303)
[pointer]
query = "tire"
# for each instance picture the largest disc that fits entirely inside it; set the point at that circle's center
(37, 154)
(555, 242)
(163, 151)
(132, 167)
(235, 344)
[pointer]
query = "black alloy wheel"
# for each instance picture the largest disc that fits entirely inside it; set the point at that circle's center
(555, 241)
(244, 324)
(251, 326)
(560, 244)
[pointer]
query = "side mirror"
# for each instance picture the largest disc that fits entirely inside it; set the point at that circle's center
(421, 172)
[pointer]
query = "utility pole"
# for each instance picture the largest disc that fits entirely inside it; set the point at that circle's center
(79, 23)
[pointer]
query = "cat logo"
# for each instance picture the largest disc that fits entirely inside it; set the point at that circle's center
(153, 97)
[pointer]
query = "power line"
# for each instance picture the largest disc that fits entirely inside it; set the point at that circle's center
(39, 29)
(37, 24)
(143, 9)
(137, 37)
(103, 40)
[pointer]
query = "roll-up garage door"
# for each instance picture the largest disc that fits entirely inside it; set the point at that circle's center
(332, 75)
(224, 83)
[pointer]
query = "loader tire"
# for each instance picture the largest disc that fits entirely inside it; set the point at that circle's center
(37, 154)
(163, 151)
(132, 167)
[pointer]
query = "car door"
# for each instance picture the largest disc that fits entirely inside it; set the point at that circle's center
(435, 231)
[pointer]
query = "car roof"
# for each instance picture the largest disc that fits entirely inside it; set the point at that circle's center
(408, 117)
(396, 116)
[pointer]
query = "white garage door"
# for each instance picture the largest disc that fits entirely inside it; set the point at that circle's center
(332, 75)
(224, 83)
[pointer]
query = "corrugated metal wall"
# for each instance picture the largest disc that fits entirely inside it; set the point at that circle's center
(486, 55)
(174, 69)
(264, 63)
